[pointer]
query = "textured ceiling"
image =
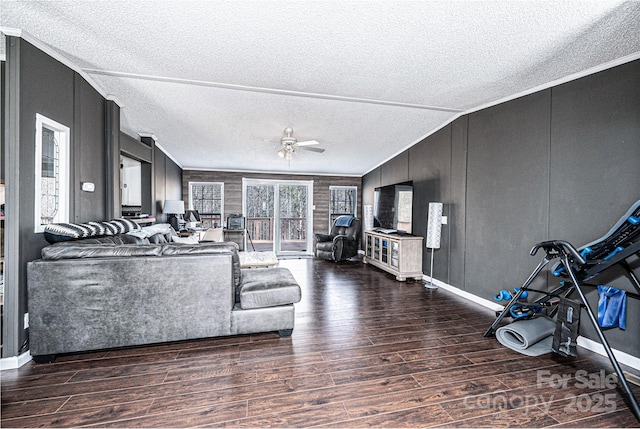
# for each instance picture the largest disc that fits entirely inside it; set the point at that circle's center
(212, 80)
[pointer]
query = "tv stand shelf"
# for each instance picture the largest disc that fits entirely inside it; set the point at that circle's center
(400, 255)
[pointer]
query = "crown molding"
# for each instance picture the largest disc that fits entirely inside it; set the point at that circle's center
(47, 49)
(159, 146)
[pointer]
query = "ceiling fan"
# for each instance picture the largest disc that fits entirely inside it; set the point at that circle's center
(290, 145)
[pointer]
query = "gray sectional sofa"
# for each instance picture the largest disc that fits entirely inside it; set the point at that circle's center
(117, 291)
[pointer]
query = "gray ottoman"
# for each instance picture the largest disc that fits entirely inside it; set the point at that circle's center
(268, 287)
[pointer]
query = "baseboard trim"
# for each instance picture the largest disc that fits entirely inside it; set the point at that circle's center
(471, 297)
(15, 362)
(594, 346)
(621, 357)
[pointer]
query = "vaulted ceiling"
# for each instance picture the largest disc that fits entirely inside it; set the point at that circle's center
(217, 82)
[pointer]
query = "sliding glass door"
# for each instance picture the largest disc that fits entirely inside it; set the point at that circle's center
(279, 216)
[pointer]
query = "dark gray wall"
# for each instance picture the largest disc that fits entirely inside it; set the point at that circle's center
(595, 154)
(561, 163)
(41, 85)
(34, 83)
(507, 191)
(430, 170)
(456, 207)
(168, 182)
(89, 152)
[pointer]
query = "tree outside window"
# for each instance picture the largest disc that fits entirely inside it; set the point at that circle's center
(208, 199)
(52, 173)
(342, 201)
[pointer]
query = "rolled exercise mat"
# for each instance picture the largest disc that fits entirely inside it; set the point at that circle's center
(532, 337)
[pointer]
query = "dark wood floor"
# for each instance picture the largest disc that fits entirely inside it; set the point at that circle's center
(367, 351)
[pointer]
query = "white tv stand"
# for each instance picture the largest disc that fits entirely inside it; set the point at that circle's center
(397, 254)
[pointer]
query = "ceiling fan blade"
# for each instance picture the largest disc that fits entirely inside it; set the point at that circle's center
(307, 143)
(311, 149)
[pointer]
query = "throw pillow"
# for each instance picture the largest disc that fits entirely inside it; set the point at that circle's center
(57, 232)
(185, 240)
(213, 234)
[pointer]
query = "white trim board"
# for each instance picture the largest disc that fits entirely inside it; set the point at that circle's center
(594, 346)
(621, 357)
(265, 90)
(471, 297)
(15, 362)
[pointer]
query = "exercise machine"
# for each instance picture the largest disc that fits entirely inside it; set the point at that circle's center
(576, 267)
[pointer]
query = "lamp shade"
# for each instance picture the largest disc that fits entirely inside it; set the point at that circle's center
(173, 207)
(368, 217)
(434, 224)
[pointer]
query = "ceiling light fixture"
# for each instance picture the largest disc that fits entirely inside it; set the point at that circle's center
(289, 144)
(286, 152)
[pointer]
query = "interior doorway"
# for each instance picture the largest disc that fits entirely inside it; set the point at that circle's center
(278, 215)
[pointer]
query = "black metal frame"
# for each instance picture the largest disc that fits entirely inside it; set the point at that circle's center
(578, 270)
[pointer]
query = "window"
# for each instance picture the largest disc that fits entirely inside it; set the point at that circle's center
(342, 201)
(52, 173)
(208, 199)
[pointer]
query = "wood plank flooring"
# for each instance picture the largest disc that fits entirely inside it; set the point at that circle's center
(367, 351)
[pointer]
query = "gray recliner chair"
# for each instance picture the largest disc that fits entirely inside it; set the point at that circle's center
(342, 242)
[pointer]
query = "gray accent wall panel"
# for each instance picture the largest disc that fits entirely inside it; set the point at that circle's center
(370, 182)
(507, 192)
(430, 169)
(112, 160)
(35, 83)
(595, 159)
(457, 202)
(47, 87)
(167, 182)
(90, 150)
(173, 183)
(595, 152)
(159, 171)
(396, 170)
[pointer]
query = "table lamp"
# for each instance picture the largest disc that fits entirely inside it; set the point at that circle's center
(174, 209)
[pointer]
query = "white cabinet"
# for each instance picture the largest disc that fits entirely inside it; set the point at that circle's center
(400, 255)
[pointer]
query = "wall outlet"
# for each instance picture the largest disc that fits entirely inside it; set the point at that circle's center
(26, 320)
(89, 186)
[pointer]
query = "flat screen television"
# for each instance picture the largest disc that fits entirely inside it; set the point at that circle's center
(392, 207)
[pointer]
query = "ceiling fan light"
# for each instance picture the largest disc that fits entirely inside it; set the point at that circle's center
(281, 153)
(288, 155)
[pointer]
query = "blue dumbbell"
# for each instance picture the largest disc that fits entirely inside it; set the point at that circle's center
(505, 295)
